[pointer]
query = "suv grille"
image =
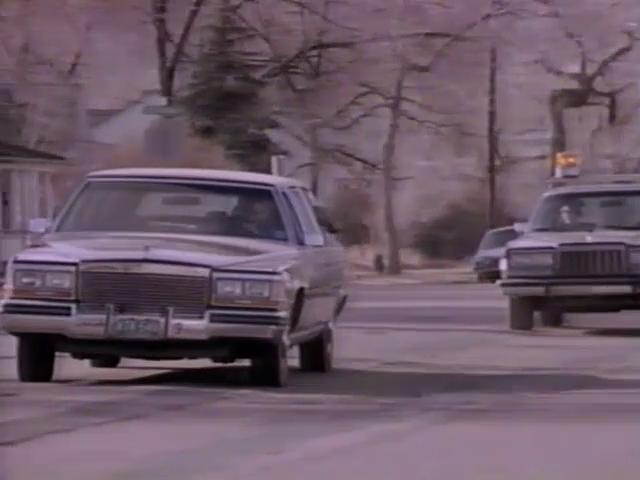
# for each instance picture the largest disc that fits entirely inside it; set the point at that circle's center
(145, 293)
(592, 261)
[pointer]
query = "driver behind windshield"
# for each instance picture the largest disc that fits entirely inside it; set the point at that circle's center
(258, 217)
(570, 215)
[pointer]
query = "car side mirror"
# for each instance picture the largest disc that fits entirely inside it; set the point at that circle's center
(325, 221)
(39, 226)
(313, 240)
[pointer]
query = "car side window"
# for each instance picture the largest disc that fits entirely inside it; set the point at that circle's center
(313, 233)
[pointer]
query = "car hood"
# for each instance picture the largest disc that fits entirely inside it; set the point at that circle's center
(555, 239)
(213, 252)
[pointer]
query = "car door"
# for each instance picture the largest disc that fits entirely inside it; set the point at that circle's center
(316, 261)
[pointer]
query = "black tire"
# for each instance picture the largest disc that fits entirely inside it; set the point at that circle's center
(36, 359)
(317, 354)
(108, 361)
(271, 368)
(552, 317)
(521, 312)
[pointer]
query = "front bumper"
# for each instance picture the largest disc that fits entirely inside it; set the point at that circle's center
(63, 319)
(570, 287)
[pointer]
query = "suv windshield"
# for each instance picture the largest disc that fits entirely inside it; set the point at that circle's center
(159, 207)
(497, 238)
(588, 211)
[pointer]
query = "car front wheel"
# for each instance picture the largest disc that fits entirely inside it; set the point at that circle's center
(521, 311)
(317, 354)
(271, 368)
(36, 359)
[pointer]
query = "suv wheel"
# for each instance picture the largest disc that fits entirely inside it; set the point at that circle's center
(521, 313)
(36, 359)
(271, 368)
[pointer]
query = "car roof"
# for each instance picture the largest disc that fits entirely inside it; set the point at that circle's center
(198, 174)
(599, 188)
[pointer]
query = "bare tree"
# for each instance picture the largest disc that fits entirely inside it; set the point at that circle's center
(587, 91)
(399, 106)
(170, 52)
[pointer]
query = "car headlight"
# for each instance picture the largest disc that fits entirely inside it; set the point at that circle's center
(42, 282)
(265, 292)
(634, 259)
(530, 262)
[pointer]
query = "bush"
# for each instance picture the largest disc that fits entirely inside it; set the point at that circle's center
(348, 210)
(455, 234)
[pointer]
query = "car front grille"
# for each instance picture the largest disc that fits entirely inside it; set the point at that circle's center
(592, 261)
(144, 293)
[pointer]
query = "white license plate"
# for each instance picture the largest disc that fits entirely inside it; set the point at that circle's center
(137, 327)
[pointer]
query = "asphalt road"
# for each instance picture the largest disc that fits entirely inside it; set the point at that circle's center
(429, 385)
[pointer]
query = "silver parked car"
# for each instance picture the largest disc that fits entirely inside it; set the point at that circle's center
(180, 264)
(492, 248)
(581, 253)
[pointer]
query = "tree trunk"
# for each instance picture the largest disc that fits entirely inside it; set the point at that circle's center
(492, 136)
(168, 66)
(314, 151)
(394, 263)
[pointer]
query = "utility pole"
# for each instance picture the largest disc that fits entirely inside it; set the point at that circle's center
(492, 135)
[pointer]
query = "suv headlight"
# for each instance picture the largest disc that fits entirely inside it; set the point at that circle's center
(238, 291)
(43, 282)
(531, 262)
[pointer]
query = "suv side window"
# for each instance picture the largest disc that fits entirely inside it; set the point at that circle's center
(313, 233)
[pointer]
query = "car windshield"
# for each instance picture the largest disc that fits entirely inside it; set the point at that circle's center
(184, 208)
(497, 238)
(588, 211)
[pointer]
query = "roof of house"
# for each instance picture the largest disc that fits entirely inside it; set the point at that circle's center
(17, 152)
(199, 174)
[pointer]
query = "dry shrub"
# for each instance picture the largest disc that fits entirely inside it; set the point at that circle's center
(349, 210)
(455, 233)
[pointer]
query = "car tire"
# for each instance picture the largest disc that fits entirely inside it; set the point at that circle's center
(317, 354)
(521, 311)
(108, 361)
(35, 358)
(271, 368)
(552, 317)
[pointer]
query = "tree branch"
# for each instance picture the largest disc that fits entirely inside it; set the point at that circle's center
(455, 38)
(355, 101)
(436, 126)
(613, 57)
(194, 11)
(553, 70)
(368, 113)
(339, 150)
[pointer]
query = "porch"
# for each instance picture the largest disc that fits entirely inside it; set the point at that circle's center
(26, 192)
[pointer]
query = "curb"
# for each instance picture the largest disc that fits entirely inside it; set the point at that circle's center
(433, 277)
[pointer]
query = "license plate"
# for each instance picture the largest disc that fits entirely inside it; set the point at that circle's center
(137, 327)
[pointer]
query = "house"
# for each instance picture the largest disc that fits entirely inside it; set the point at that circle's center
(26, 192)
